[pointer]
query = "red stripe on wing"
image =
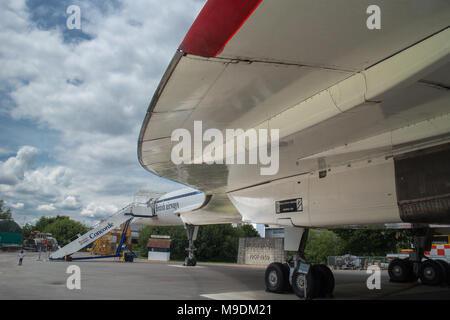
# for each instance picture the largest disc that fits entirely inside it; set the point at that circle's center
(216, 24)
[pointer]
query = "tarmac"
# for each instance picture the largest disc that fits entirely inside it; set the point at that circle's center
(100, 279)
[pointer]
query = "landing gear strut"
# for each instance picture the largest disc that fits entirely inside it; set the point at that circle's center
(417, 266)
(191, 232)
(306, 280)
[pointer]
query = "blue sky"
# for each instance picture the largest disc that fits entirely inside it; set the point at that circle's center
(72, 101)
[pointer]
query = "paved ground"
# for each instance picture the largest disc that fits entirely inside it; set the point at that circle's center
(151, 280)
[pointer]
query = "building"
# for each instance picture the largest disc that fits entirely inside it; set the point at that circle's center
(10, 235)
(159, 248)
(274, 232)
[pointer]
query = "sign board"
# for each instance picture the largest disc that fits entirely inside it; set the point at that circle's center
(260, 251)
(291, 205)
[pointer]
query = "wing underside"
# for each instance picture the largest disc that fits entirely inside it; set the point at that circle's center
(335, 89)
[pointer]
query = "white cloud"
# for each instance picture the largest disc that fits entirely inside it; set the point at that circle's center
(117, 71)
(46, 207)
(12, 170)
(36, 187)
(94, 210)
(18, 205)
(95, 94)
(70, 203)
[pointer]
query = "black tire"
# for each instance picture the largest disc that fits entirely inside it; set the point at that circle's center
(431, 273)
(312, 281)
(327, 283)
(316, 279)
(190, 262)
(400, 270)
(287, 274)
(445, 267)
(275, 277)
(448, 274)
(412, 275)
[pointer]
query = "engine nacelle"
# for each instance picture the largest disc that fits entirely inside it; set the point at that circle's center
(423, 185)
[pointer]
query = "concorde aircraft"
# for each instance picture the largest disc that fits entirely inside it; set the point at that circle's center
(357, 92)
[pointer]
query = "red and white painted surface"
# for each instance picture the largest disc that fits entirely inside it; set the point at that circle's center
(441, 250)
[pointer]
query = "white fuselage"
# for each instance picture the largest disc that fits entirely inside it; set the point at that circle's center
(167, 209)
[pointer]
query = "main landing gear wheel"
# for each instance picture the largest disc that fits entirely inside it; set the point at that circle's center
(190, 262)
(287, 275)
(191, 232)
(446, 266)
(401, 270)
(277, 278)
(412, 275)
(327, 282)
(312, 280)
(431, 273)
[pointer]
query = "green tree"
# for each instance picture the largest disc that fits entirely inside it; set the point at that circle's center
(321, 244)
(7, 224)
(247, 231)
(217, 243)
(369, 242)
(43, 222)
(176, 233)
(27, 229)
(61, 227)
(5, 214)
(220, 242)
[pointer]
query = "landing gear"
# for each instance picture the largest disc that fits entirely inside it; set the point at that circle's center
(327, 287)
(128, 257)
(432, 273)
(191, 232)
(277, 277)
(401, 270)
(417, 266)
(190, 261)
(306, 280)
(317, 282)
(446, 267)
